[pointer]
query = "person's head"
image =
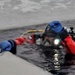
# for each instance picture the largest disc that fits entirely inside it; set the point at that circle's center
(50, 38)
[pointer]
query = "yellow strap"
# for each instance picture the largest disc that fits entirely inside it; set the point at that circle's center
(31, 31)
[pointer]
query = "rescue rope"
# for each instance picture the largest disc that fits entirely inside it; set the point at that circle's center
(31, 31)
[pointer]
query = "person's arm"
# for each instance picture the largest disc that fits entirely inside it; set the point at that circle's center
(20, 40)
(10, 45)
(69, 44)
(29, 39)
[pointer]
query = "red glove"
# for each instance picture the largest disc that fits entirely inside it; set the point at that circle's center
(20, 40)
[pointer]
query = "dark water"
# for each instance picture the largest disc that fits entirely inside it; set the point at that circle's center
(48, 59)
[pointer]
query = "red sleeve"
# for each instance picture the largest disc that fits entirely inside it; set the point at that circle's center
(20, 40)
(69, 44)
(28, 39)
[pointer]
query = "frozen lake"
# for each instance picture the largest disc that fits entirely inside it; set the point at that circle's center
(18, 13)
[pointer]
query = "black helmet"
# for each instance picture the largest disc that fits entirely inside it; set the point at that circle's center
(49, 32)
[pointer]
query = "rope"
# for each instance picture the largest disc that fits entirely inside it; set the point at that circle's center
(31, 31)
